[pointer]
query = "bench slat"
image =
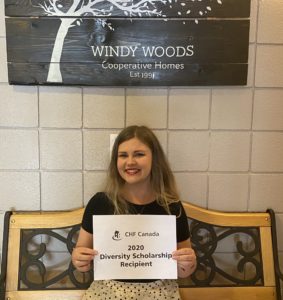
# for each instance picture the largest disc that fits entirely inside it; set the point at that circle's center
(267, 256)
(46, 219)
(45, 295)
(64, 219)
(218, 218)
(229, 293)
(13, 260)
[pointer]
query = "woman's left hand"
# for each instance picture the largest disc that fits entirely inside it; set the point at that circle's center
(186, 261)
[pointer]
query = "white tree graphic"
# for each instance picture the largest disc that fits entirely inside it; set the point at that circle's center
(72, 16)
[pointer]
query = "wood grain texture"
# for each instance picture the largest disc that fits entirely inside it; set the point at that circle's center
(13, 259)
(267, 256)
(102, 43)
(93, 75)
(137, 52)
(45, 295)
(46, 219)
(32, 40)
(214, 41)
(220, 218)
(229, 293)
(228, 8)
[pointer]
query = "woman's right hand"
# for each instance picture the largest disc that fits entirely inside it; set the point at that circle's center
(82, 258)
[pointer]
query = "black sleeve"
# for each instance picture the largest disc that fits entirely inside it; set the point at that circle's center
(99, 204)
(182, 225)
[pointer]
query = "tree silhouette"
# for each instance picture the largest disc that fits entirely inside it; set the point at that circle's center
(71, 15)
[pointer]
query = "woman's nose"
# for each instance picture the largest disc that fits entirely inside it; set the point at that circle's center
(131, 160)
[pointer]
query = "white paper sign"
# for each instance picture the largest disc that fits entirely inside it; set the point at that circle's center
(134, 246)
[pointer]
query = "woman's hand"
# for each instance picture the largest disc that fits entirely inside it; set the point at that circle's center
(82, 258)
(186, 261)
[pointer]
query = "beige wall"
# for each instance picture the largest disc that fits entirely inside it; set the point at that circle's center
(225, 144)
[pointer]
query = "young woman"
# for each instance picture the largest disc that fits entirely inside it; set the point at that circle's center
(139, 181)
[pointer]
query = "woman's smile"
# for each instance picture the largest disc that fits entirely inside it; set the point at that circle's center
(132, 171)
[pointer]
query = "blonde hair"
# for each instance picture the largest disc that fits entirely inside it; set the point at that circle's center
(162, 179)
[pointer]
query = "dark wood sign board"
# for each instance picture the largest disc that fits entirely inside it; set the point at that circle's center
(127, 43)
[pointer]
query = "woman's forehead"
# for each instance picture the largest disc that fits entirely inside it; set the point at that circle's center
(133, 144)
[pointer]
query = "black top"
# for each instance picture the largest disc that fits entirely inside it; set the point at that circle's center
(100, 204)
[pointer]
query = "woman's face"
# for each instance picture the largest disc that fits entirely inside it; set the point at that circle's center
(134, 161)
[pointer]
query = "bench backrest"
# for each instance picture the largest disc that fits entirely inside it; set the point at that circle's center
(235, 256)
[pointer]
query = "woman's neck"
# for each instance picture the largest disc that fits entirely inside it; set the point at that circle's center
(138, 194)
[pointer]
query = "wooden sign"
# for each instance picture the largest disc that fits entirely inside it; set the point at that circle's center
(127, 42)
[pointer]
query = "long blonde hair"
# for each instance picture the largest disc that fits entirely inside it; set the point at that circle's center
(162, 179)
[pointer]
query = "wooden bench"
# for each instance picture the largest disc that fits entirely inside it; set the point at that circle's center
(237, 256)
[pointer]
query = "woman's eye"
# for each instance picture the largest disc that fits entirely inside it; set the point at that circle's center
(139, 154)
(122, 155)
